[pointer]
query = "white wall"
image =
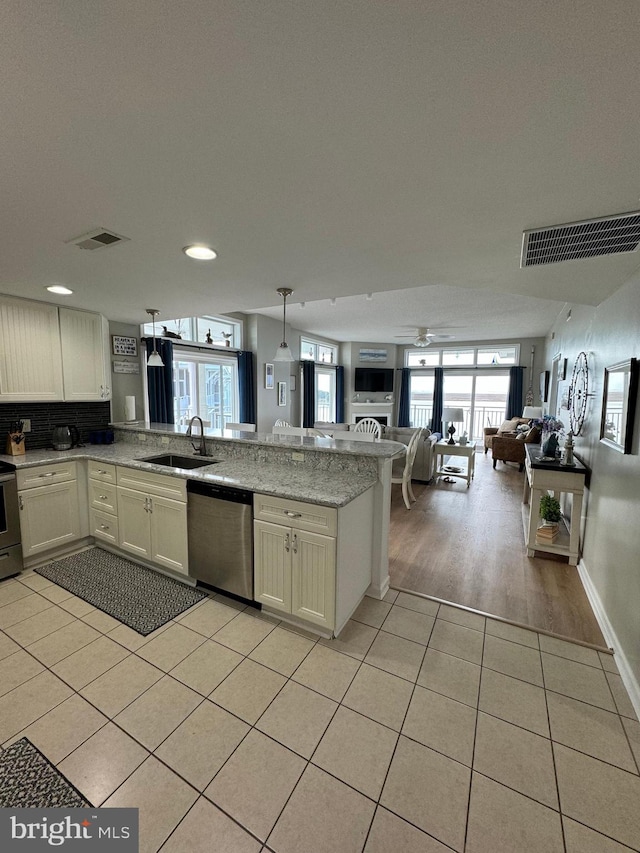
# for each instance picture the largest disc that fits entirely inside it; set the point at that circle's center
(611, 544)
(126, 384)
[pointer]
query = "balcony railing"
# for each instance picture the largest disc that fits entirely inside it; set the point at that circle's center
(420, 416)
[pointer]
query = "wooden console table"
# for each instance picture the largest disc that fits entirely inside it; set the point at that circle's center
(559, 479)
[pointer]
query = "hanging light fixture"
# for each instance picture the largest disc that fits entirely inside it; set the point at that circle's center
(284, 353)
(154, 359)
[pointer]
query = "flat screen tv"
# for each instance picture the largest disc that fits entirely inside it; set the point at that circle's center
(373, 379)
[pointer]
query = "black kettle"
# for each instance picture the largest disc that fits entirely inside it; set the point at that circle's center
(65, 436)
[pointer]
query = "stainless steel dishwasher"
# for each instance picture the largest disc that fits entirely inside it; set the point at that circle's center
(220, 530)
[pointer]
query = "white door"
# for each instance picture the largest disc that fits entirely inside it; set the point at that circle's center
(49, 517)
(134, 529)
(272, 565)
(169, 534)
(313, 575)
(83, 356)
(30, 359)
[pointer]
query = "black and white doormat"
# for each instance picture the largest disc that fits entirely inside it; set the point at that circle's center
(29, 780)
(139, 597)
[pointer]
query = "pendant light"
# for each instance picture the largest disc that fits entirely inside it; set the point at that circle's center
(154, 359)
(284, 353)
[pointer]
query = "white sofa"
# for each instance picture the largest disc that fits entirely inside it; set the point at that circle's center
(425, 457)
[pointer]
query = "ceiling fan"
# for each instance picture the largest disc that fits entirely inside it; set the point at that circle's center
(422, 337)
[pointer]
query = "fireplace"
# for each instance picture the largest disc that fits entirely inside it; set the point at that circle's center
(382, 419)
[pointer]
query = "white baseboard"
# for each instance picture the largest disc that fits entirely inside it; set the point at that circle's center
(626, 672)
(378, 590)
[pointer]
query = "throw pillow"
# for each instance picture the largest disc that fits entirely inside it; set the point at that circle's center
(533, 436)
(522, 436)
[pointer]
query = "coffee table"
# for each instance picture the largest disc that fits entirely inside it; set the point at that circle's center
(466, 451)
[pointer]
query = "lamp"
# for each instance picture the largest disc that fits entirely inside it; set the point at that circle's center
(452, 416)
(532, 412)
(284, 353)
(154, 359)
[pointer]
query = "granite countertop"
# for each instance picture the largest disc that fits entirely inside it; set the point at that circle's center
(384, 449)
(287, 481)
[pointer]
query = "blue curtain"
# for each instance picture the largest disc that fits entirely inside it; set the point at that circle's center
(516, 385)
(160, 383)
(404, 410)
(247, 387)
(438, 400)
(308, 393)
(339, 394)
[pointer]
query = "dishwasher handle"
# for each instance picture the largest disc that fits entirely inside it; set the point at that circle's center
(220, 493)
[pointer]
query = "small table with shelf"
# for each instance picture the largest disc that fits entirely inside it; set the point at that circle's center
(442, 448)
(551, 476)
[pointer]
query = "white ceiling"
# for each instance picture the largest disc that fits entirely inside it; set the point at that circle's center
(337, 148)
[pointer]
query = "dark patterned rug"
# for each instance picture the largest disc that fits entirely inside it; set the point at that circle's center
(29, 780)
(139, 597)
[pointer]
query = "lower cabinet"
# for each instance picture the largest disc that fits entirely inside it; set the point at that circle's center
(151, 526)
(49, 508)
(312, 563)
(295, 572)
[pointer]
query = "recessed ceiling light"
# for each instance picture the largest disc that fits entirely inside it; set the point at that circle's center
(200, 253)
(60, 288)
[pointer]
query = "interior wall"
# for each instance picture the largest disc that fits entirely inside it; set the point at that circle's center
(608, 334)
(126, 384)
(264, 335)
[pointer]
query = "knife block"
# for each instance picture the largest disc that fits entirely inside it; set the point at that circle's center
(15, 444)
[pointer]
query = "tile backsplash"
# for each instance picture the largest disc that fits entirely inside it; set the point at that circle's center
(44, 416)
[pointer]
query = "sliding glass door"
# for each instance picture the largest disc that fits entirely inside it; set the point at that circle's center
(482, 397)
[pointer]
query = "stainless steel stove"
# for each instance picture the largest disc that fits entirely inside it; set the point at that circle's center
(10, 547)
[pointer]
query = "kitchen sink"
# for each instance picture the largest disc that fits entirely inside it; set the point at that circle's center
(171, 460)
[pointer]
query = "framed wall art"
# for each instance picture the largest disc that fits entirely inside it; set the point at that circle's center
(544, 386)
(562, 369)
(282, 393)
(620, 392)
(269, 383)
(121, 345)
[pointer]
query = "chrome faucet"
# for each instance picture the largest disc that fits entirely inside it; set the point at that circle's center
(202, 449)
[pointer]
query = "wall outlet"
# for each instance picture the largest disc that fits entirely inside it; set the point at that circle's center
(164, 439)
(297, 457)
(142, 436)
(26, 425)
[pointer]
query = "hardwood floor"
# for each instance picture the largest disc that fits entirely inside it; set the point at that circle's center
(466, 546)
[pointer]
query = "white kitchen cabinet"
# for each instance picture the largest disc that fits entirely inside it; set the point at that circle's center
(152, 518)
(103, 502)
(312, 563)
(85, 355)
(51, 354)
(295, 572)
(49, 507)
(30, 355)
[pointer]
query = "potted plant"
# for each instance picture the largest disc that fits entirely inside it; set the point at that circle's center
(550, 510)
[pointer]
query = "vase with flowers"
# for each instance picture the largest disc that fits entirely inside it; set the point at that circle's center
(550, 428)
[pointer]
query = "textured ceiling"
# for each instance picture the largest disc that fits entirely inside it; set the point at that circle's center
(335, 148)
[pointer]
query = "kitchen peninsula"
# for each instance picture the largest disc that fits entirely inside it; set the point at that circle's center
(347, 482)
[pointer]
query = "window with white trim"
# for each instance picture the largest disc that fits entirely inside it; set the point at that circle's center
(205, 384)
(222, 330)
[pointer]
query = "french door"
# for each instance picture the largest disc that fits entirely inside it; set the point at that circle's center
(482, 395)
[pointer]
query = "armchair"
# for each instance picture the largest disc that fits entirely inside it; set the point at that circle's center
(509, 448)
(509, 428)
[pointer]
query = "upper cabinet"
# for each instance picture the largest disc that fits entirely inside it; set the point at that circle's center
(51, 354)
(85, 357)
(30, 357)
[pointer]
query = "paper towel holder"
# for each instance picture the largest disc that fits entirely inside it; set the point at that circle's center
(129, 409)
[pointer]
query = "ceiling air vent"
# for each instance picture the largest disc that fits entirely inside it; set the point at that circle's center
(610, 235)
(98, 239)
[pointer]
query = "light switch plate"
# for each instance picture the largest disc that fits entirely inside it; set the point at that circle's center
(297, 457)
(142, 436)
(164, 439)
(26, 425)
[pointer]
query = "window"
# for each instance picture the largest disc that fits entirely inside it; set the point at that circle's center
(494, 355)
(318, 352)
(205, 384)
(421, 400)
(223, 331)
(482, 397)
(325, 394)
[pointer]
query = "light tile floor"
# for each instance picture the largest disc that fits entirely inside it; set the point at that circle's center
(422, 729)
